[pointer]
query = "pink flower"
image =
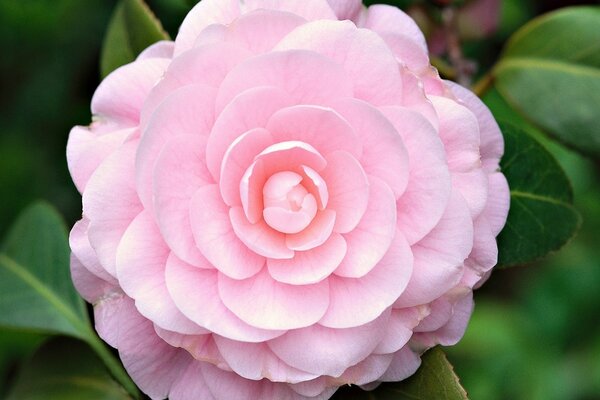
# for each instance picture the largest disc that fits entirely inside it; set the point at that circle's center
(284, 200)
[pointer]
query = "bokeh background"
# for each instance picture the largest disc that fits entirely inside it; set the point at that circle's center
(535, 333)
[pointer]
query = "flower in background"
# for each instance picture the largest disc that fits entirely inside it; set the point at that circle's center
(284, 200)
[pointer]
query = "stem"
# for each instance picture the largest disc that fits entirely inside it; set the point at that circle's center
(115, 368)
(483, 84)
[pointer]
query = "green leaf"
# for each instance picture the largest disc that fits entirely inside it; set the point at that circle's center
(36, 291)
(132, 28)
(435, 379)
(541, 217)
(65, 369)
(550, 73)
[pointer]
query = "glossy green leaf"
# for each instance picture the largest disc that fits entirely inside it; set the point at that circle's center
(65, 369)
(132, 28)
(541, 217)
(36, 291)
(435, 379)
(550, 73)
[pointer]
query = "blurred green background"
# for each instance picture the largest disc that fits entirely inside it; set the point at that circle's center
(535, 333)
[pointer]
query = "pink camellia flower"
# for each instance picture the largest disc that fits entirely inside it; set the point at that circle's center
(285, 200)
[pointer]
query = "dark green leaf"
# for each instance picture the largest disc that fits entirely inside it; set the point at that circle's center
(132, 28)
(541, 217)
(435, 379)
(36, 291)
(550, 73)
(65, 369)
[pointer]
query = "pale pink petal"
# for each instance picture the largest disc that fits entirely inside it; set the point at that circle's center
(315, 235)
(473, 186)
(214, 235)
(384, 153)
(256, 361)
(141, 262)
(356, 301)
(439, 257)
(400, 329)
(484, 255)
(191, 385)
(366, 371)
(314, 183)
(440, 311)
(108, 315)
(331, 350)
(160, 49)
(202, 346)
(414, 97)
(348, 188)
(311, 388)
(265, 303)
(496, 209)
(89, 286)
(321, 127)
(371, 239)
(110, 202)
(408, 51)
(195, 293)
(310, 266)
(206, 65)
(346, 9)
(492, 142)
(248, 110)
(85, 254)
(187, 111)
(259, 237)
(86, 151)
(237, 159)
(383, 18)
(405, 363)
(205, 13)
(307, 9)
(121, 94)
(364, 55)
(459, 132)
(307, 77)
(179, 172)
(423, 204)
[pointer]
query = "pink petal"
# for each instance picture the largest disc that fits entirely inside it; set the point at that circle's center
(237, 159)
(404, 364)
(80, 246)
(195, 293)
(415, 98)
(310, 266)
(108, 315)
(496, 209)
(248, 110)
(307, 77)
(473, 186)
(400, 329)
(86, 151)
(346, 9)
(257, 361)
(121, 94)
(259, 237)
(321, 127)
(265, 303)
(348, 188)
(110, 202)
(89, 286)
(205, 13)
(384, 154)
(422, 205)
(362, 53)
(331, 350)
(439, 257)
(179, 172)
(408, 51)
(191, 384)
(492, 142)
(141, 263)
(366, 371)
(459, 132)
(371, 239)
(160, 49)
(356, 301)
(315, 234)
(187, 111)
(314, 183)
(307, 9)
(484, 255)
(383, 18)
(214, 235)
(201, 346)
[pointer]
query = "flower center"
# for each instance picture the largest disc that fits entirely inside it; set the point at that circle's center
(288, 205)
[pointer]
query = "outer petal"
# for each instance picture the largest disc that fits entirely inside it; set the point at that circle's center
(307, 9)
(191, 384)
(87, 284)
(346, 9)
(111, 202)
(160, 49)
(195, 292)
(383, 18)
(265, 303)
(331, 350)
(85, 254)
(400, 329)
(215, 237)
(496, 209)
(356, 301)
(405, 363)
